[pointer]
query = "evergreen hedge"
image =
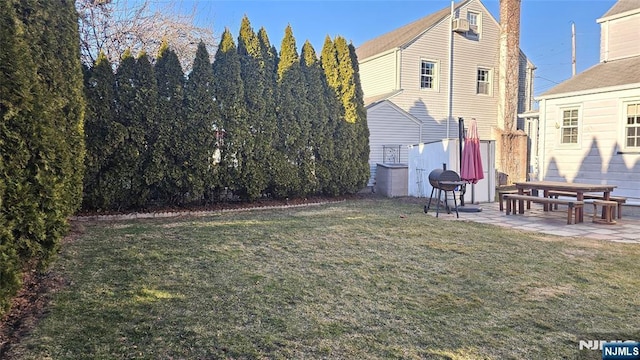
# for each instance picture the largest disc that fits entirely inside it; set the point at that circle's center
(42, 143)
(253, 124)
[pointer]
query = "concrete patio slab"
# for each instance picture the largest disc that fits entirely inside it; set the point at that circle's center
(626, 230)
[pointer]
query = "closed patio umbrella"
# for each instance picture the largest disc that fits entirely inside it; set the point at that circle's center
(471, 163)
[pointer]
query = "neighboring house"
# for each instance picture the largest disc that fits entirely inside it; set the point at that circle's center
(590, 124)
(409, 92)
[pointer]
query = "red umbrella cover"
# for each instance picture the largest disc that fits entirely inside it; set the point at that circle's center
(471, 167)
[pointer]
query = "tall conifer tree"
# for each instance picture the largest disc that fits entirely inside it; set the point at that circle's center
(145, 132)
(269, 124)
(124, 173)
(168, 158)
(342, 157)
(329, 60)
(258, 146)
(362, 127)
(341, 72)
(357, 133)
(201, 116)
(297, 176)
(321, 103)
(55, 134)
(229, 93)
(103, 136)
(16, 103)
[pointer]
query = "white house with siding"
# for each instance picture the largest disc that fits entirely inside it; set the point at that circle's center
(419, 79)
(590, 124)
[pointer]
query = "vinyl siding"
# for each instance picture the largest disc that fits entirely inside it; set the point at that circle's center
(388, 126)
(379, 75)
(619, 38)
(431, 106)
(601, 132)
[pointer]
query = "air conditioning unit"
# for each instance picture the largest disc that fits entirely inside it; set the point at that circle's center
(460, 25)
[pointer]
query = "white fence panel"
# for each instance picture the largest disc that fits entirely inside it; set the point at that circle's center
(424, 158)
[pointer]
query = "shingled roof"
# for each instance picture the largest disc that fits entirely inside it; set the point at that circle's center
(403, 35)
(603, 75)
(622, 6)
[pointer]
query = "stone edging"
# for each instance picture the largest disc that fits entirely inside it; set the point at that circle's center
(170, 214)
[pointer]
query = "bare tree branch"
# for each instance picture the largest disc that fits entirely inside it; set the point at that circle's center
(112, 26)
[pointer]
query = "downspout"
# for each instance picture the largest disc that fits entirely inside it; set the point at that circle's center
(542, 138)
(450, 95)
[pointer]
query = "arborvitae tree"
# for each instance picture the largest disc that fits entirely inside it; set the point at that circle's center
(145, 131)
(356, 132)
(60, 72)
(362, 127)
(269, 124)
(122, 175)
(318, 99)
(16, 101)
(41, 133)
(103, 136)
(229, 92)
(257, 145)
(296, 177)
(329, 60)
(341, 166)
(55, 135)
(346, 80)
(201, 115)
(341, 72)
(170, 184)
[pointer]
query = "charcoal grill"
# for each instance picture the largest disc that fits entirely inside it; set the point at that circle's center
(443, 180)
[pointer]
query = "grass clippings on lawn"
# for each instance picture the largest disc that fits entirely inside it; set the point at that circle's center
(372, 278)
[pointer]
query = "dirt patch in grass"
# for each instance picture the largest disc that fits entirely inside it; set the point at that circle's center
(547, 292)
(27, 308)
(31, 302)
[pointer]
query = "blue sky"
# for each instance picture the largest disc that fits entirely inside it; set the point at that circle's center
(545, 25)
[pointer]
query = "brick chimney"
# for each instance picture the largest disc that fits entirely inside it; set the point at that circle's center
(508, 68)
(511, 145)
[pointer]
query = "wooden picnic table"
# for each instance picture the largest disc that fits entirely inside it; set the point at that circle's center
(578, 188)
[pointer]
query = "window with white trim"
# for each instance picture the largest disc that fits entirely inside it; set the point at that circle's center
(474, 24)
(428, 74)
(569, 127)
(632, 125)
(484, 82)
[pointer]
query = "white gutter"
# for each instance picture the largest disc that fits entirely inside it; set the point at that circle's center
(450, 94)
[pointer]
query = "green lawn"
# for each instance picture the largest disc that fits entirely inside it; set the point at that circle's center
(361, 279)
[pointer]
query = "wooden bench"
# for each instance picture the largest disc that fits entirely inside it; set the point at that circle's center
(573, 205)
(501, 193)
(618, 199)
(608, 211)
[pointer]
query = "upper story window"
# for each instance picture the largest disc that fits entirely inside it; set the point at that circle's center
(475, 22)
(632, 125)
(569, 128)
(428, 78)
(484, 82)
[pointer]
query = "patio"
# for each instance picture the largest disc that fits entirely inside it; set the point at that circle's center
(554, 223)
